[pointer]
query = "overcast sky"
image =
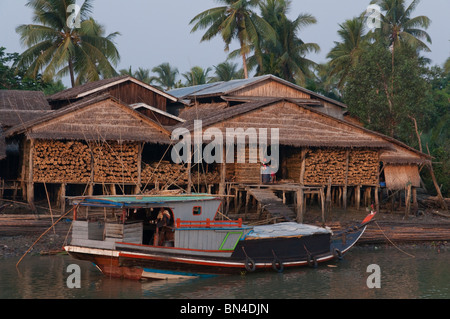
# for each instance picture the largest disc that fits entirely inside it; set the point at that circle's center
(153, 32)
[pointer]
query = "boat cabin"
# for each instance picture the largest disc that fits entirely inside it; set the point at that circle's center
(159, 221)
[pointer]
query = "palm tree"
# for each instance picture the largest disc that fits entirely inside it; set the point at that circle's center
(227, 71)
(398, 26)
(234, 20)
(59, 48)
(285, 57)
(346, 53)
(167, 76)
(196, 76)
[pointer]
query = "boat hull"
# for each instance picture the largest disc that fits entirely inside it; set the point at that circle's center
(139, 261)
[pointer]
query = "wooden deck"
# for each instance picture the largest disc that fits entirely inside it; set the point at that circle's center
(272, 199)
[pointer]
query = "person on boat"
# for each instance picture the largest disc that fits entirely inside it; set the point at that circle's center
(162, 222)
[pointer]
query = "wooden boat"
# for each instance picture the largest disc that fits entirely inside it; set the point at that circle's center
(125, 236)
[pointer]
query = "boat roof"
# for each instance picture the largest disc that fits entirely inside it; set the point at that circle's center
(287, 229)
(132, 201)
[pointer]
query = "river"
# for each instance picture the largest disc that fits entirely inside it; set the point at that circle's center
(421, 272)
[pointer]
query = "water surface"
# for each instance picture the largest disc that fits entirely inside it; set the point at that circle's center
(426, 275)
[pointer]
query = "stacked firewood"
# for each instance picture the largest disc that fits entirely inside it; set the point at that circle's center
(164, 173)
(59, 162)
(363, 167)
(321, 164)
(115, 163)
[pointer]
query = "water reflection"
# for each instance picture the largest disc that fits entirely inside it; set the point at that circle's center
(425, 276)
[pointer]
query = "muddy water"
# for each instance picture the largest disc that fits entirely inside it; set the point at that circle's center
(416, 272)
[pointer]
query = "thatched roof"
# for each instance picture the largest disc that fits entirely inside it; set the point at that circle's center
(96, 118)
(21, 106)
(298, 125)
(100, 86)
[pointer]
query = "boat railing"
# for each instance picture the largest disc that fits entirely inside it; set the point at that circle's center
(208, 223)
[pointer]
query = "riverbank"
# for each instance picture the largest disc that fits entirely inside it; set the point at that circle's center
(19, 230)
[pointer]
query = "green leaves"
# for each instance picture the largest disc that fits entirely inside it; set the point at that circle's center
(56, 49)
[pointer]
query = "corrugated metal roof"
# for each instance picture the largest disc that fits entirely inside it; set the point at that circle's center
(190, 90)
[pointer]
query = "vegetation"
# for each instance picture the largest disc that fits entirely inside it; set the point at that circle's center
(59, 47)
(236, 19)
(380, 74)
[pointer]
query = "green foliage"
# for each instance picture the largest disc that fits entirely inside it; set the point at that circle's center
(16, 79)
(286, 56)
(57, 48)
(386, 99)
(236, 19)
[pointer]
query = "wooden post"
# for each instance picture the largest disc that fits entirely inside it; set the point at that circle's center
(344, 193)
(30, 183)
(62, 198)
(328, 199)
(357, 196)
(300, 207)
(322, 198)
(415, 205)
(247, 200)
(407, 199)
(139, 169)
(303, 167)
(377, 202)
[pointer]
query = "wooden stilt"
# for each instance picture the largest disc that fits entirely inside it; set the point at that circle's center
(30, 183)
(300, 206)
(377, 202)
(408, 200)
(415, 204)
(322, 198)
(358, 196)
(344, 195)
(62, 197)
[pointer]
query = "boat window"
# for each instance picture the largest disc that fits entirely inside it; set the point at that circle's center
(197, 210)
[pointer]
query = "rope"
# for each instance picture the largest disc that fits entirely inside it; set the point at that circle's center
(392, 242)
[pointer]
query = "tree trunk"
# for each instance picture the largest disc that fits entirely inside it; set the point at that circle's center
(72, 75)
(244, 62)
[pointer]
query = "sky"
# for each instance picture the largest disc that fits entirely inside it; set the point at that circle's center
(154, 32)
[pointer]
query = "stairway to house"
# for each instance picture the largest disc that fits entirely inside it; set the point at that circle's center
(272, 203)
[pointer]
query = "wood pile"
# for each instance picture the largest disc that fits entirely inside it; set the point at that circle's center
(164, 173)
(324, 163)
(405, 232)
(363, 167)
(115, 163)
(321, 164)
(58, 162)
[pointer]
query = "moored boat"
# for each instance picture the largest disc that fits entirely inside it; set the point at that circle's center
(164, 237)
